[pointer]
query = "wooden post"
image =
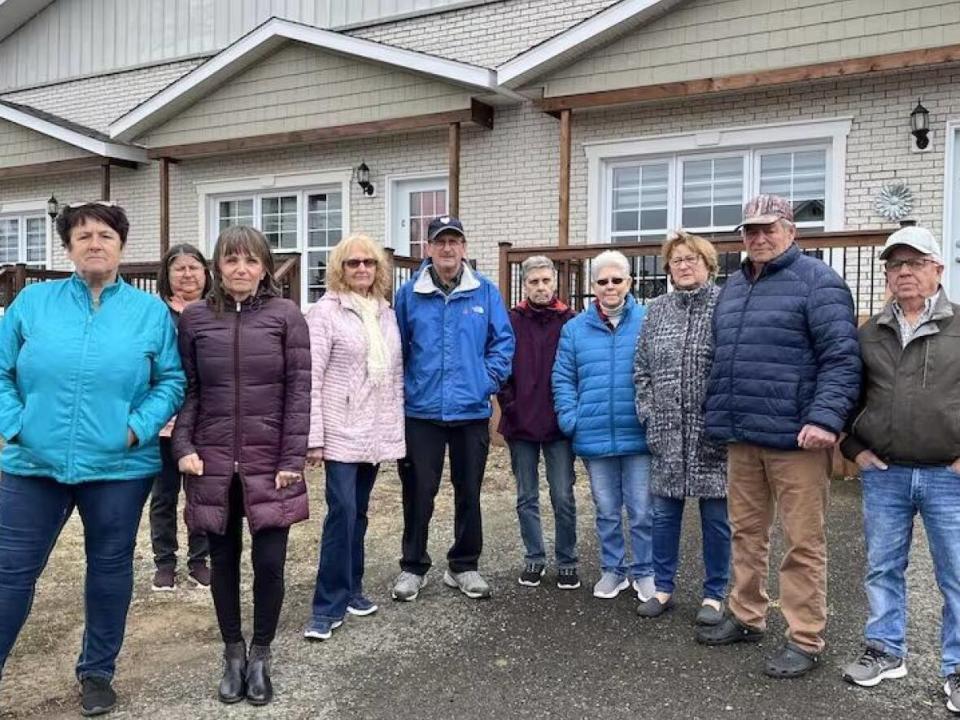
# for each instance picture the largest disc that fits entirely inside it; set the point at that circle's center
(165, 206)
(105, 180)
(506, 277)
(453, 151)
(563, 230)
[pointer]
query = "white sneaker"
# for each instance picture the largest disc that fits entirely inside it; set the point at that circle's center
(610, 585)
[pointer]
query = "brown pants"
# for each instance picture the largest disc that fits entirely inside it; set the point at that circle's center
(797, 482)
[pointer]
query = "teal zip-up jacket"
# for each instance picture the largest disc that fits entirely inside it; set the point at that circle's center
(73, 379)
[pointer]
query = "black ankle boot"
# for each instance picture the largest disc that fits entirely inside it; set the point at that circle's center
(259, 687)
(232, 687)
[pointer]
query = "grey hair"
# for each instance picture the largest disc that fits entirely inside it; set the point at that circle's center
(606, 259)
(536, 262)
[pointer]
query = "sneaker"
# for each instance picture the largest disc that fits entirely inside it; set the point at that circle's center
(200, 575)
(96, 696)
(361, 606)
(408, 586)
(321, 629)
(164, 580)
(610, 585)
(531, 574)
(874, 666)
(644, 588)
(952, 690)
(567, 579)
(469, 582)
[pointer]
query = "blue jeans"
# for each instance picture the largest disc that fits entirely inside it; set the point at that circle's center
(558, 457)
(890, 500)
(340, 575)
(667, 525)
(619, 482)
(33, 511)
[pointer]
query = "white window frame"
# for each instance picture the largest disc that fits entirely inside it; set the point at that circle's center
(31, 209)
(830, 134)
(432, 180)
(209, 194)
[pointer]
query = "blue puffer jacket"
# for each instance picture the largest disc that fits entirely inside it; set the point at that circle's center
(457, 348)
(786, 354)
(74, 378)
(593, 390)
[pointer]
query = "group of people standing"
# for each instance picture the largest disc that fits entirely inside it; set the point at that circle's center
(732, 396)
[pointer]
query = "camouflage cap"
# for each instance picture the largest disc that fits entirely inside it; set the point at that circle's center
(766, 209)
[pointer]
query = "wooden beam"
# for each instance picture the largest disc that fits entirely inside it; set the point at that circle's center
(563, 230)
(165, 206)
(478, 113)
(505, 274)
(105, 181)
(453, 170)
(754, 80)
(51, 168)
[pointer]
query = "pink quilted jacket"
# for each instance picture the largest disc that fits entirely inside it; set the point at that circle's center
(352, 419)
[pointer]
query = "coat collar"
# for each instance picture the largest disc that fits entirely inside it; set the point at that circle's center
(425, 286)
(942, 310)
(78, 286)
(593, 315)
(784, 259)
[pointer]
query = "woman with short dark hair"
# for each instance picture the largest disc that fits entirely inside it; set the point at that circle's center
(182, 280)
(242, 439)
(89, 373)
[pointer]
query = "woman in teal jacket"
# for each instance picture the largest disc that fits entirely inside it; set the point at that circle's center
(89, 374)
(593, 395)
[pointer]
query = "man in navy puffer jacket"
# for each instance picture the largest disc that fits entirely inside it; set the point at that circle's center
(786, 375)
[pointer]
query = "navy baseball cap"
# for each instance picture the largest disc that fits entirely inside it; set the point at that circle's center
(442, 223)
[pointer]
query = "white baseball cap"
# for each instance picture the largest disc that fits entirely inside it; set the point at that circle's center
(919, 238)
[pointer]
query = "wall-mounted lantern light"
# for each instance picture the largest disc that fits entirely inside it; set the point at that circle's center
(920, 126)
(362, 175)
(53, 208)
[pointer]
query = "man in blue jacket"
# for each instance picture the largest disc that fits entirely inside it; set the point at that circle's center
(785, 377)
(457, 352)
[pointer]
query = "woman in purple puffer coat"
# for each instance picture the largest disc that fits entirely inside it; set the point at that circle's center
(241, 440)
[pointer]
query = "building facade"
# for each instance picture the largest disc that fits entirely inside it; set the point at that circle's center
(539, 122)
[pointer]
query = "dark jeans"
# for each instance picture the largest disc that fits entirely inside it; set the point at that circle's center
(340, 574)
(667, 526)
(268, 555)
(33, 511)
(558, 458)
(420, 474)
(163, 516)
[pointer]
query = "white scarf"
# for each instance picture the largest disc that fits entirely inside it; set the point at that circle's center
(369, 311)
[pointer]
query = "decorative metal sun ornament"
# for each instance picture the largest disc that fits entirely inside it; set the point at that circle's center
(895, 201)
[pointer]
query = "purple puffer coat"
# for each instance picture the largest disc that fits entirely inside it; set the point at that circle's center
(247, 410)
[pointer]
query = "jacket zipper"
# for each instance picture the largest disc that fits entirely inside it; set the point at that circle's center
(613, 362)
(926, 358)
(736, 342)
(236, 386)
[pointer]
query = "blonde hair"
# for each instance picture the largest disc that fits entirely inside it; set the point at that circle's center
(340, 254)
(702, 247)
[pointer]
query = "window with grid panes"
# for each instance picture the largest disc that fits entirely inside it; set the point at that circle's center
(424, 207)
(23, 239)
(324, 230)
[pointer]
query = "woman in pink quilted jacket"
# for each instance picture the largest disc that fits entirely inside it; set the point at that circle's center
(356, 418)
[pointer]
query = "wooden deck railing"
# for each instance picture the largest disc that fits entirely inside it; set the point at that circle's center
(854, 255)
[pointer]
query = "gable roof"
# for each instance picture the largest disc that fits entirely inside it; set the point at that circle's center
(268, 37)
(606, 25)
(69, 132)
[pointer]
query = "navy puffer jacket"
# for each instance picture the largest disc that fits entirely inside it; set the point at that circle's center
(786, 354)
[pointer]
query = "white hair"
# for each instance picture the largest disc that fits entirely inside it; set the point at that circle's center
(609, 258)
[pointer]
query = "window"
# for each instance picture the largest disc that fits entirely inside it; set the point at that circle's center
(23, 239)
(324, 230)
(413, 203)
(639, 200)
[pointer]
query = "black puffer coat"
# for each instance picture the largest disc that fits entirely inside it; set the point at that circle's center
(247, 410)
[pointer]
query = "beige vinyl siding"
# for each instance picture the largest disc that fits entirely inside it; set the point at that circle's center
(22, 146)
(299, 88)
(713, 38)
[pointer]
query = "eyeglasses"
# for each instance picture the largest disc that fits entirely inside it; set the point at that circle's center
(610, 281)
(354, 263)
(690, 260)
(448, 242)
(914, 264)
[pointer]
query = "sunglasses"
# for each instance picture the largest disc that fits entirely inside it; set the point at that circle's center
(610, 281)
(354, 263)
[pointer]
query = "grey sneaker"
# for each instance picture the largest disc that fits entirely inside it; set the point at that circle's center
(952, 690)
(874, 666)
(408, 586)
(470, 583)
(610, 585)
(644, 588)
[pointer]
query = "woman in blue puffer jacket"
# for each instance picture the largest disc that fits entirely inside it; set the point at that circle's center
(593, 395)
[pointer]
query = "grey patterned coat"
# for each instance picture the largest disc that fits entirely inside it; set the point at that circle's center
(671, 367)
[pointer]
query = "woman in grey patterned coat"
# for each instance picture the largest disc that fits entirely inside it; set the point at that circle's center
(672, 362)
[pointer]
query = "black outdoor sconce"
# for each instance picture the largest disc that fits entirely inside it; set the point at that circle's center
(53, 208)
(362, 174)
(920, 126)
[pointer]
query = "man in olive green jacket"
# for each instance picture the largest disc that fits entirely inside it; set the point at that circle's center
(905, 438)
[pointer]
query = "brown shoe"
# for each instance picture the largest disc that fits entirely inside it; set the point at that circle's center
(200, 575)
(164, 580)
